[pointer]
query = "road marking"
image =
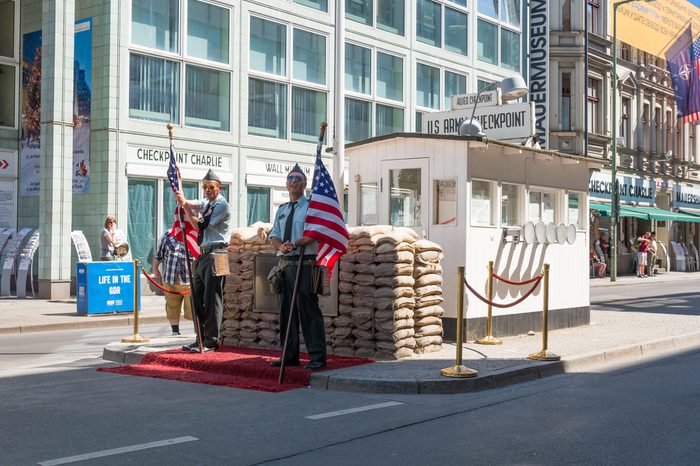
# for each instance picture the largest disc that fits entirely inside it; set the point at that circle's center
(118, 451)
(342, 412)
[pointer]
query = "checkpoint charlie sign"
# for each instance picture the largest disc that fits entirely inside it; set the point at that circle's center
(159, 156)
(503, 122)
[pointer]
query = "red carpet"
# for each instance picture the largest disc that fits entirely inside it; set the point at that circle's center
(231, 366)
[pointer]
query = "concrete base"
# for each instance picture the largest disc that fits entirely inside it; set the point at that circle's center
(517, 324)
(54, 289)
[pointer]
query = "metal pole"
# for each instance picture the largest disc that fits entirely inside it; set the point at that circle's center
(290, 317)
(585, 81)
(458, 370)
(545, 355)
(136, 338)
(489, 339)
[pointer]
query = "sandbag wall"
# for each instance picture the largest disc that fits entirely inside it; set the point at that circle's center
(389, 294)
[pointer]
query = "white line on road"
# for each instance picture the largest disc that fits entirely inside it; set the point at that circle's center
(354, 410)
(118, 451)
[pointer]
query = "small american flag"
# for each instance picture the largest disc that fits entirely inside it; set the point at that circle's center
(693, 104)
(324, 221)
(176, 230)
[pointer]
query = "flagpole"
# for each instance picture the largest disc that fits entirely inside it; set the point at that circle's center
(280, 380)
(195, 317)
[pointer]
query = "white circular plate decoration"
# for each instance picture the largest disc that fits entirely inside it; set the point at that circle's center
(561, 233)
(529, 232)
(571, 233)
(551, 233)
(541, 232)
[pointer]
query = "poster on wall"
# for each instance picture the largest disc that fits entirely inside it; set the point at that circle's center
(31, 115)
(82, 85)
(7, 204)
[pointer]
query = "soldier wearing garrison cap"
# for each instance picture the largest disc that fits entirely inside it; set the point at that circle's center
(287, 236)
(214, 235)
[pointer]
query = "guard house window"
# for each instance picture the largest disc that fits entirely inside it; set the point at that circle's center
(405, 200)
(593, 16)
(625, 122)
(510, 205)
(574, 209)
(481, 203)
(155, 69)
(374, 93)
(540, 207)
(593, 107)
(274, 87)
(9, 64)
(437, 21)
(445, 195)
(321, 5)
(566, 101)
(369, 199)
(258, 204)
(498, 33)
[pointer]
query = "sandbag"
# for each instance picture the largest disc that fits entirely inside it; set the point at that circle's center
(429, 290)
(429, 279)
(396, 281)
(428, 311)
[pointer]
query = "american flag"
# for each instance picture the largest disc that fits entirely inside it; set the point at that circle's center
(693, 105)
(176, 230)
(324, 221)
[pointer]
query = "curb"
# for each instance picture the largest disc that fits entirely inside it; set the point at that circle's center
(128, 321)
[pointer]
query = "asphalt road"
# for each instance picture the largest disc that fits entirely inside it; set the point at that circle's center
(55, 407)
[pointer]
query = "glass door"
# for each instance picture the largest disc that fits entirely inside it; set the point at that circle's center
(405, 194)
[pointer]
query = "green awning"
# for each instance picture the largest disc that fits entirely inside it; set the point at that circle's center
(625, 210)
(694, 213)
(660, 214)
(604, 209)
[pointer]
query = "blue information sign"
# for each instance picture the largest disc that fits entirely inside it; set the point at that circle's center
(107, 287)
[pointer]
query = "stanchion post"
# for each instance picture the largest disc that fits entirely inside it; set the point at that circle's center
(136, 338)
(545, 355)
(489, 339)
(458, 370)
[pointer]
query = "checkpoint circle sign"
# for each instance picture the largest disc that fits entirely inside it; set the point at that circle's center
(541, 232)
(571, 233)
(551, 233)
(529, 232)
(561, 233)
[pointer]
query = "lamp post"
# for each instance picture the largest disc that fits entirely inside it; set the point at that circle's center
(614, 197)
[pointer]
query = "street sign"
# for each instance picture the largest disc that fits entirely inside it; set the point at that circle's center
(509, 122)
(486, 99)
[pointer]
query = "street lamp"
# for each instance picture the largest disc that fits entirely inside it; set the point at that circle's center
(614, 197)
(512, 88)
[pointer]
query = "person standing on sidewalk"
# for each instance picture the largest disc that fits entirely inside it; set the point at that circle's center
(287, 237)
(642, 248)
(652, 252)
(214, 235)
(171, 254)
(108, 240)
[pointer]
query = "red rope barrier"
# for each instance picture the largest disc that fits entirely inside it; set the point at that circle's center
(517, 301)
(159, 286)
(505, 280)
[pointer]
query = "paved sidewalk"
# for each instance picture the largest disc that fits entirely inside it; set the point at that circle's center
(613, 336)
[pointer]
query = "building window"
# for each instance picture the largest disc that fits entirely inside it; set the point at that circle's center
(390, 16)
(455, 84)
(369, 199)
(405, 198)
(481, 205)
(574, 208)
(427, 86)
(625, 51)
(430, 17)
(154, 81)
(359, 10)
(321, 5)
(566, 101)
(498, 30)
(8, 93)
(155, 24)
(481, 84)
(566, 15)
(273, 87)
(625, 122)
(510, 205)
(541, 207)
(593, 15)
(373, 93)
(258, 204)
(593, 107)
(207, 31)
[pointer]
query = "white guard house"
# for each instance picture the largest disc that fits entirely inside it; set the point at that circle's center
(484, 200)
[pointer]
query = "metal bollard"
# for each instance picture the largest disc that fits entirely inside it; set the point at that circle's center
(545, 355)
(489, 339)
(136, 338)
(458, 370)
